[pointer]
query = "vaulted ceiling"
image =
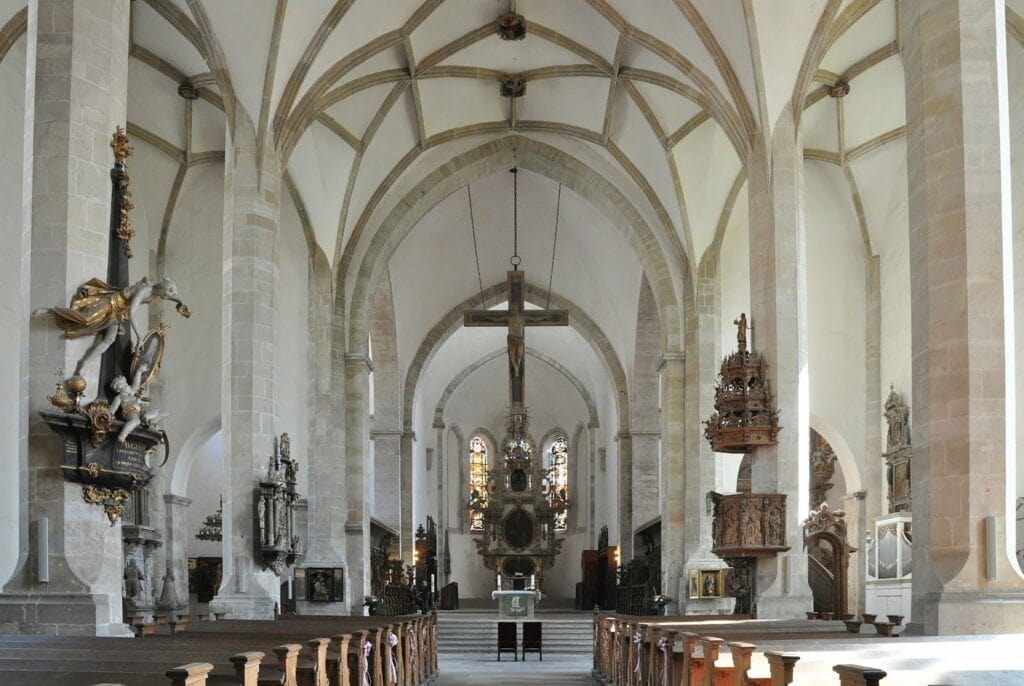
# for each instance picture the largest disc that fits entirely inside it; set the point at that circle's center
(662, 97)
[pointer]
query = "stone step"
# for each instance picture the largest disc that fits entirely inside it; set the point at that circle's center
(477, 632)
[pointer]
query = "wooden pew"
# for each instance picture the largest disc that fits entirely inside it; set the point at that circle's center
(325, 663)
(621, 645)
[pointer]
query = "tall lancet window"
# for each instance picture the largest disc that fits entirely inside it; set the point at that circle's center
(477, 482)
(558, 492)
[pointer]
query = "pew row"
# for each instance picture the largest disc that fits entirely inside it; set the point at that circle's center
(381, 651)
(630, 652)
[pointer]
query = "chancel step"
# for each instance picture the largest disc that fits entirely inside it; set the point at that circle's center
(476, 632)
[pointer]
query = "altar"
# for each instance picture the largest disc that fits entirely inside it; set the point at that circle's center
(516, 604)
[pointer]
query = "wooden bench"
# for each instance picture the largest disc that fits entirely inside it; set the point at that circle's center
(642, 651)
(404, 647)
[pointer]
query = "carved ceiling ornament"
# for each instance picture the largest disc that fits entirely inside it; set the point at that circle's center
(745, 417)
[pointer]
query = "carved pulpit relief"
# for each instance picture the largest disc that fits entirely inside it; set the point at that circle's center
(898, 452)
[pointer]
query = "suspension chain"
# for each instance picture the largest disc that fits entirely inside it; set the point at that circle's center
(515, 260)
(476, 252)
(554, 245)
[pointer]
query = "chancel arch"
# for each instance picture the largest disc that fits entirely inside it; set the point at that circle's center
(494, 295)
(664, 264)
(554, 364)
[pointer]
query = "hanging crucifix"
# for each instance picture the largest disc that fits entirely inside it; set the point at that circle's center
(516, 318)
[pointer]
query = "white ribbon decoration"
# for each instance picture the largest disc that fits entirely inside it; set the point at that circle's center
(638, 641)
(663, 646)
(367, 647)
(393, 642)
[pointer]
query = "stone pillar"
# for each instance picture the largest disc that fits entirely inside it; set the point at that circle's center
(594, 468)
(874, 478)
(248, 383)
(75, 95)
(357, 520)
(778, 300)
(388, 506)
(645, 476)
(855, 506)
(703, 345)
(625, 488)
(440, 465)
(957, 170)
(325, 521)
(176, 536)
(673, 480)
(407, 533)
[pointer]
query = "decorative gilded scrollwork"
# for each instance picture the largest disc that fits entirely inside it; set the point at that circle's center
(112, 500)
(100, 418)
(122, 151)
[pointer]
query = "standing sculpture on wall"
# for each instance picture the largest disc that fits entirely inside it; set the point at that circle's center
(108, 310)
(898, 452)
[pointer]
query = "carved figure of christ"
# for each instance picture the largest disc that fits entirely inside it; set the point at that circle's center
(516, 318)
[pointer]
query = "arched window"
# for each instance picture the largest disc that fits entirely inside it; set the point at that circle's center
(477, 482)
(558, 491)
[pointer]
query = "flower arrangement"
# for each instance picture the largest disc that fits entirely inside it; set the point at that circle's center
(661, 602)
(371, 603)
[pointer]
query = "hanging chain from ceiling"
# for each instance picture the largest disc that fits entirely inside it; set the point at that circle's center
(515, 260)
(554, 245)
(476, 252)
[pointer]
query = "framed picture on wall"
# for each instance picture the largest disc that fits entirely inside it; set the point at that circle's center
(693, 587)
(324, 584)
(710, 583)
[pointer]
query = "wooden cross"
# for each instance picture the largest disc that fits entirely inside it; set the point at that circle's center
(516, 318)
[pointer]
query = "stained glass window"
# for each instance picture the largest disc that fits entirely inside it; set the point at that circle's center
(558, 492)
(477, 482)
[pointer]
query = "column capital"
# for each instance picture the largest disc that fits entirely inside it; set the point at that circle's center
(175, 499)
(438, 424)
(384, 433)
(671, 357)
(409, 434)
(623, 435)
(356, 359)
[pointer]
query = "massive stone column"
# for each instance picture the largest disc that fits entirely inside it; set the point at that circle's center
(176, 542)
(958, 175)
(388, 505)
(624, 441)
(407, 533)
(645, 420)
(248, 383)
(673, 480)
(325, 529)
(357, 521)
(778, 300)
(76, 89)
(703, 336)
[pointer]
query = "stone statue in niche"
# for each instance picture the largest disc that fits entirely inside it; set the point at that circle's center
(133, 578)
(261, 516)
